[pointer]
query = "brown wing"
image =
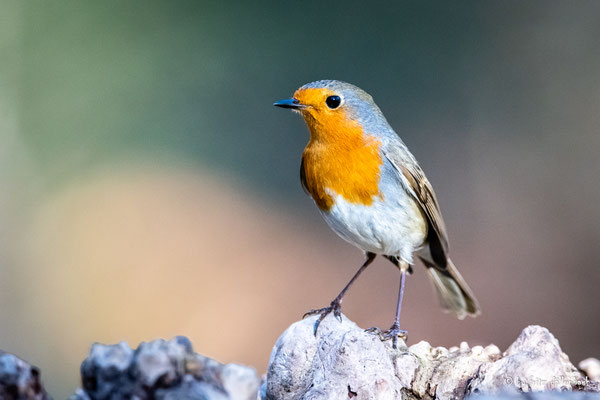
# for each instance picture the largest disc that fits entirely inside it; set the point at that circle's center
(419, 187)
(455, 294)
(303, 177)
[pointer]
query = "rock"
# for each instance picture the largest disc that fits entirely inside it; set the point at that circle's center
(555, 395)
(161, 369)
(591, 367)
(343, 361)
(19, 380)
(534, 362)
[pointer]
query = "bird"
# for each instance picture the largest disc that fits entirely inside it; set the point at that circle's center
(372, 192)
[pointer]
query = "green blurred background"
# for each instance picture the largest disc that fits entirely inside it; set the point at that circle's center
(148, 188)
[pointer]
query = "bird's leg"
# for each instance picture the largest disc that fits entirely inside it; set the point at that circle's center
(395, 328)
(394, 332)
(394, 260)
(336, 304)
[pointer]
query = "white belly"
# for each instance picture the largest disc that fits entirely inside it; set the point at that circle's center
(394, 226)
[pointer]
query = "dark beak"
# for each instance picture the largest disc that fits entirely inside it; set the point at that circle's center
(289, 103)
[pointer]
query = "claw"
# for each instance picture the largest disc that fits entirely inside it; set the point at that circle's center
(337, 314)
(311, 312)
(334, 307)
(376, 331)
(393, 333)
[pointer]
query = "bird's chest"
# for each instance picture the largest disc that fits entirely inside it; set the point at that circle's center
(363, 201)
(350, 171)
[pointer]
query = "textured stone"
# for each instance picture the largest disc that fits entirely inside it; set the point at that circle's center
(343, 362)
(555, 395)
(591, 367)
(162, 369)
(19, 380)
(534, 362)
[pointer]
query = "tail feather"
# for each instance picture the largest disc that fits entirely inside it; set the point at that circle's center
(453, 292)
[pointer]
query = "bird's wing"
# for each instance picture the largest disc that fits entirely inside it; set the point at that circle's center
(303, 177)
(415, 182)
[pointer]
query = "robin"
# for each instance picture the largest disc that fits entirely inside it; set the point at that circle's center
(373, 193)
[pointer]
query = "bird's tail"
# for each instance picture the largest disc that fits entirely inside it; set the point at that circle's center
(453, 292)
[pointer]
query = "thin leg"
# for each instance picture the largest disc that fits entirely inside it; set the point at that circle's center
(400, 297)
(394, 332)
(336, 304)
(396, 324)
(394, 260)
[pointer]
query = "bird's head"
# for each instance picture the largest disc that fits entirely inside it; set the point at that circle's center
(333, 108)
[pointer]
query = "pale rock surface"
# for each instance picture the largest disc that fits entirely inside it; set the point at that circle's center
(591, 367)
(343, 362)
(534, 362)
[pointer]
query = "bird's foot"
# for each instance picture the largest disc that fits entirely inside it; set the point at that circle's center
(335, 307)
(393, 333)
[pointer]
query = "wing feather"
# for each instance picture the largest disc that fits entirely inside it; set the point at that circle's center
(303, 177)
(417, 184)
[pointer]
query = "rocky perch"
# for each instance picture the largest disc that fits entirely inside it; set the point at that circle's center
(341, 362)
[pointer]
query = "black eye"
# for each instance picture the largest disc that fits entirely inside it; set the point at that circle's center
(333, 101)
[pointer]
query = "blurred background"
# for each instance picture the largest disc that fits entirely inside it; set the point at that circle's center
(149, 189)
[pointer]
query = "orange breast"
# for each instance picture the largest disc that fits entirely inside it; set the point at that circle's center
(339, 157)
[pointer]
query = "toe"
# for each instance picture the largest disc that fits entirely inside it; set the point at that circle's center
(338, 314)
(310, 312)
